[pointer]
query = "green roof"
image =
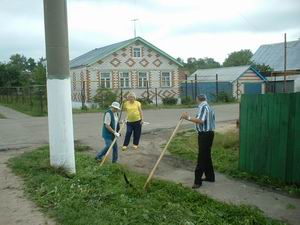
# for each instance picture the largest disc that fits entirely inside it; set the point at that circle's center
(97, 54)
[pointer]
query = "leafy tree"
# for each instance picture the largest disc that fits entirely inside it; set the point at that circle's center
(19, 62)
(262, 68)
(202, 63)
(39, 73)
(104, 97)
(239, 58)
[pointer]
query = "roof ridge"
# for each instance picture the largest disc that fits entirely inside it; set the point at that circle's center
(279, 43)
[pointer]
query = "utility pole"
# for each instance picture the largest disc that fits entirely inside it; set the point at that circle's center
(60, 119)
(284, 68)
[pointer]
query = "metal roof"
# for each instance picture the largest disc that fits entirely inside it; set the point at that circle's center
(100, 53)
(225, 74)
(273, 55)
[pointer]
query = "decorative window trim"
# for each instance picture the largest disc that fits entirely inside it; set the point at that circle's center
(143, 84)
(129, 79)
(162, 81)
(105, 83)
(133, 52)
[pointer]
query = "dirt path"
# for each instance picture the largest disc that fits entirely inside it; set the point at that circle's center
(275, 205)
(15, 208)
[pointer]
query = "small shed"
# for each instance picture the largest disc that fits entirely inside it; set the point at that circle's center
(234, 81)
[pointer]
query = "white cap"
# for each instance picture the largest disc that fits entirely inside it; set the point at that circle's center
(116, 105)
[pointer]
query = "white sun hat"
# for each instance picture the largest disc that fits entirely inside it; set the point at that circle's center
(116, 105)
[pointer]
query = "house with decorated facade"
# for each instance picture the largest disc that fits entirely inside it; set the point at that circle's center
(131, 65)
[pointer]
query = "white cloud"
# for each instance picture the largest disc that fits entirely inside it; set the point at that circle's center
(190, 28)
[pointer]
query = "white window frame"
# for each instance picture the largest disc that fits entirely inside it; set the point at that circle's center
(163, 80)
(140, 52)
(106, 80)
(121, 82)
(143, 84)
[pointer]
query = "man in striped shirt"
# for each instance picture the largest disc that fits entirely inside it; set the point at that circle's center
(205, 126)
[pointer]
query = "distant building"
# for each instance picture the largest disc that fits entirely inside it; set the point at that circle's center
(133, 64)
(273, 55)
(234, 81)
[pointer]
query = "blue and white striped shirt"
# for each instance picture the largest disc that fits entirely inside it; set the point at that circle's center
(207, 115)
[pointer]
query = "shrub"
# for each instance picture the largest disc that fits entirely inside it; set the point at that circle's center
(169, 101)
(104, 97)
(144, 101)
(224, 97)
(187, 100)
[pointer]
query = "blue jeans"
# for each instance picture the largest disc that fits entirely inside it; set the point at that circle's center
(136, 128)
(105, 149)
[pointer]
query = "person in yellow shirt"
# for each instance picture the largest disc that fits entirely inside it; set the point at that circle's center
(134, 120)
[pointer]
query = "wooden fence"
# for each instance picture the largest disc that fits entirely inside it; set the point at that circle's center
(270, 135)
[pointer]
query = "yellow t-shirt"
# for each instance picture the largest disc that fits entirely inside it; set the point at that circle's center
(132, 110)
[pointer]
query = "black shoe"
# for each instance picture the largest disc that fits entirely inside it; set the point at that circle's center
(98, 160)
(209, 180)
(196, 186)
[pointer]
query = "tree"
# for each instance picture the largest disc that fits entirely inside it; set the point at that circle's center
(239, 58)
(262, 68)
(202, 63)
(39, 73)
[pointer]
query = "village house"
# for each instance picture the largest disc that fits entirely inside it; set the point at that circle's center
(234, 81)
(273, 56)
(133, 64)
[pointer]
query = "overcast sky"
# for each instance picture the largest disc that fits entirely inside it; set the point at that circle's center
(182, 28)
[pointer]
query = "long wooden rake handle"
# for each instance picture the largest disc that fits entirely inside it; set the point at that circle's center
(112, 144)
(162, 154)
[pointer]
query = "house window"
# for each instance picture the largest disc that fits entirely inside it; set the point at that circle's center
(137, 52)
(124, 80)
(143, 79)
(166, 79)
(105, 80)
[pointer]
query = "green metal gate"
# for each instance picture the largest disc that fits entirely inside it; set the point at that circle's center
(270, 135)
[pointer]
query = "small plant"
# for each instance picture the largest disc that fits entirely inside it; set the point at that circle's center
(145, 101)
(223, 97)
(169, 101)
(104, 97)
(187, 100)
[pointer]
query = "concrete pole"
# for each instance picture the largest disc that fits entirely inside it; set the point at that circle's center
(60, 119)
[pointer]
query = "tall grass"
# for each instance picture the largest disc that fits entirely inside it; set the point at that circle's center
(99, 195)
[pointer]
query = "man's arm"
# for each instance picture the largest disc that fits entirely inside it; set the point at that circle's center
(186, 116)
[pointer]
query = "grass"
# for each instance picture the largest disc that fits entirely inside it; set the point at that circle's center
(225, 154)
(99, 195)
(2, 116)
(34, 110)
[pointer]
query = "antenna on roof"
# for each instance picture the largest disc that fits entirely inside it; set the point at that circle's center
(134, 26)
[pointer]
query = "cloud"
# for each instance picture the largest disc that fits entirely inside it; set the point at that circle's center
(173, 25)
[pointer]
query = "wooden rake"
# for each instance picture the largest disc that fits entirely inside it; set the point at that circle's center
(112, 144)
(162, 154)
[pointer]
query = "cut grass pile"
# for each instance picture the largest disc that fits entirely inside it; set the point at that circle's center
(225, 156)
(99, 195)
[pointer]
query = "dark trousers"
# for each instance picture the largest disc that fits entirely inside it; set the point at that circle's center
(136, 129)
(204, 163)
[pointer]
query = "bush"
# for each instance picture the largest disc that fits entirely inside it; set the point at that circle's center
(224, 97)
(169, 101)
(144, 101)
(187, 100)
(104, 97)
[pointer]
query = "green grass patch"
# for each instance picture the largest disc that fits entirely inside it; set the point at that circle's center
(2, 116)
(33, 110)
(225, 155)
(99, 195)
